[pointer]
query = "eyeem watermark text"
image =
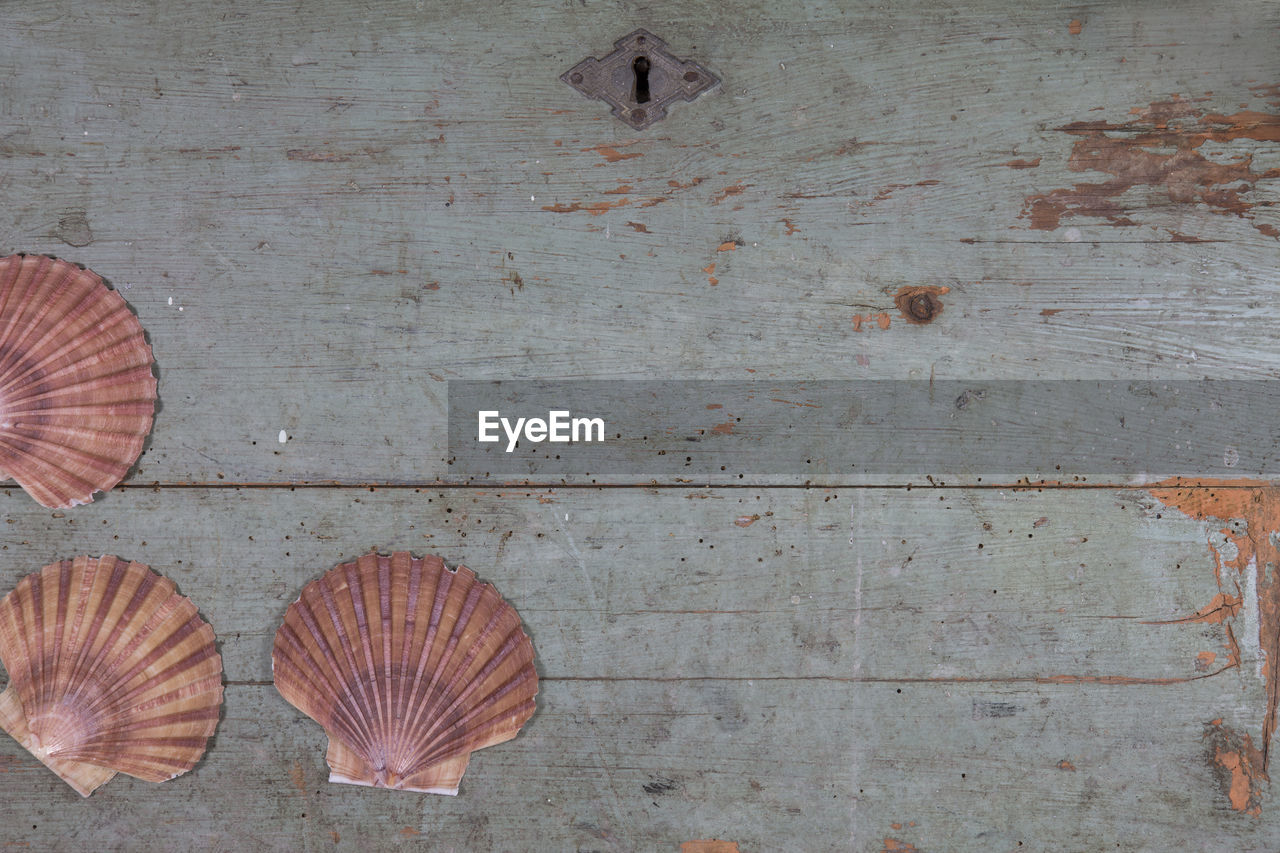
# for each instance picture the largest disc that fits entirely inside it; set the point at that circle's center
(559, 427)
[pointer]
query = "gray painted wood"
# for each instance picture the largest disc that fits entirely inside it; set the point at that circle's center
(301, 183)
(848, 661)
(323, 213)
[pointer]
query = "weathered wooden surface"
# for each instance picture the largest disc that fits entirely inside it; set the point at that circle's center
(323, 213)
(819, 674)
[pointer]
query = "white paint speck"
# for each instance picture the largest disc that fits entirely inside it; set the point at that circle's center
(1249, 640)
(170, 300)
(1071, 235)
(531, 198)
(179, 307)
(284, 436)
(1230, 457)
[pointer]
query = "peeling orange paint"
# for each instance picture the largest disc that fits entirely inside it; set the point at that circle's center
(622, 189)
(1257, 504)
(881, 319)
(1204, 660)
(409, 832)
(611, 153)
(893, 845)
(1158, 148)
(727, 246)
(1075, 27)
(299, 777)
(723, 429)
(735, 189)
(1066, 765)
(593, 209)
(1222, 608)
(638, 227)
(1240, 766)
(1023, 164)
(711, 846)
(746, 520)
(791, 227)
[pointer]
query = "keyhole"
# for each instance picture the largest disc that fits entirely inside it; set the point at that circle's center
(641, 69)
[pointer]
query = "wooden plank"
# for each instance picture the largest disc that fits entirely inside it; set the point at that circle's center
(852, 653)
(625, 766)
(346, 212)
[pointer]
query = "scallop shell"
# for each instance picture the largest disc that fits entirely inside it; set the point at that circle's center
(110, 670)
(76, 392)
(408, 666)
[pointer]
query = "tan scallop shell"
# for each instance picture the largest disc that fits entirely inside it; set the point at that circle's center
(408, 666)
(76, 392)
(110, 670)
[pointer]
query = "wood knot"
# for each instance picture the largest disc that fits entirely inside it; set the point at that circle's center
(920, 304)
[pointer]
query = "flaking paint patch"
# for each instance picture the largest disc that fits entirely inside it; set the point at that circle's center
(881, 319)
(611, 153)
(593, 209)
(710, 846)
(1159, 148)
(1238, 764)
(1249, 511)
(734, 189)
(895, 845)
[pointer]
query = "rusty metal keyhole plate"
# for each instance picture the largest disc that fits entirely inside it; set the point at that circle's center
(640, 78)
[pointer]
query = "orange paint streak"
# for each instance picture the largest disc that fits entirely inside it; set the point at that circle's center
(791, 227)
(298, 777)
(723, 429)
(746, 520)
(1023, 164)
(593, 209)
(893, 845)
(709, 847)
(611, 153)
(727, 246)
(735, 189)
(1222, 608)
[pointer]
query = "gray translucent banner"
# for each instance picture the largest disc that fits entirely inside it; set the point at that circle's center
(833, 432)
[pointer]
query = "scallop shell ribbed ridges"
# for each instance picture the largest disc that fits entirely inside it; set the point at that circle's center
(408, 666)
(110, 670)
(77, 396)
